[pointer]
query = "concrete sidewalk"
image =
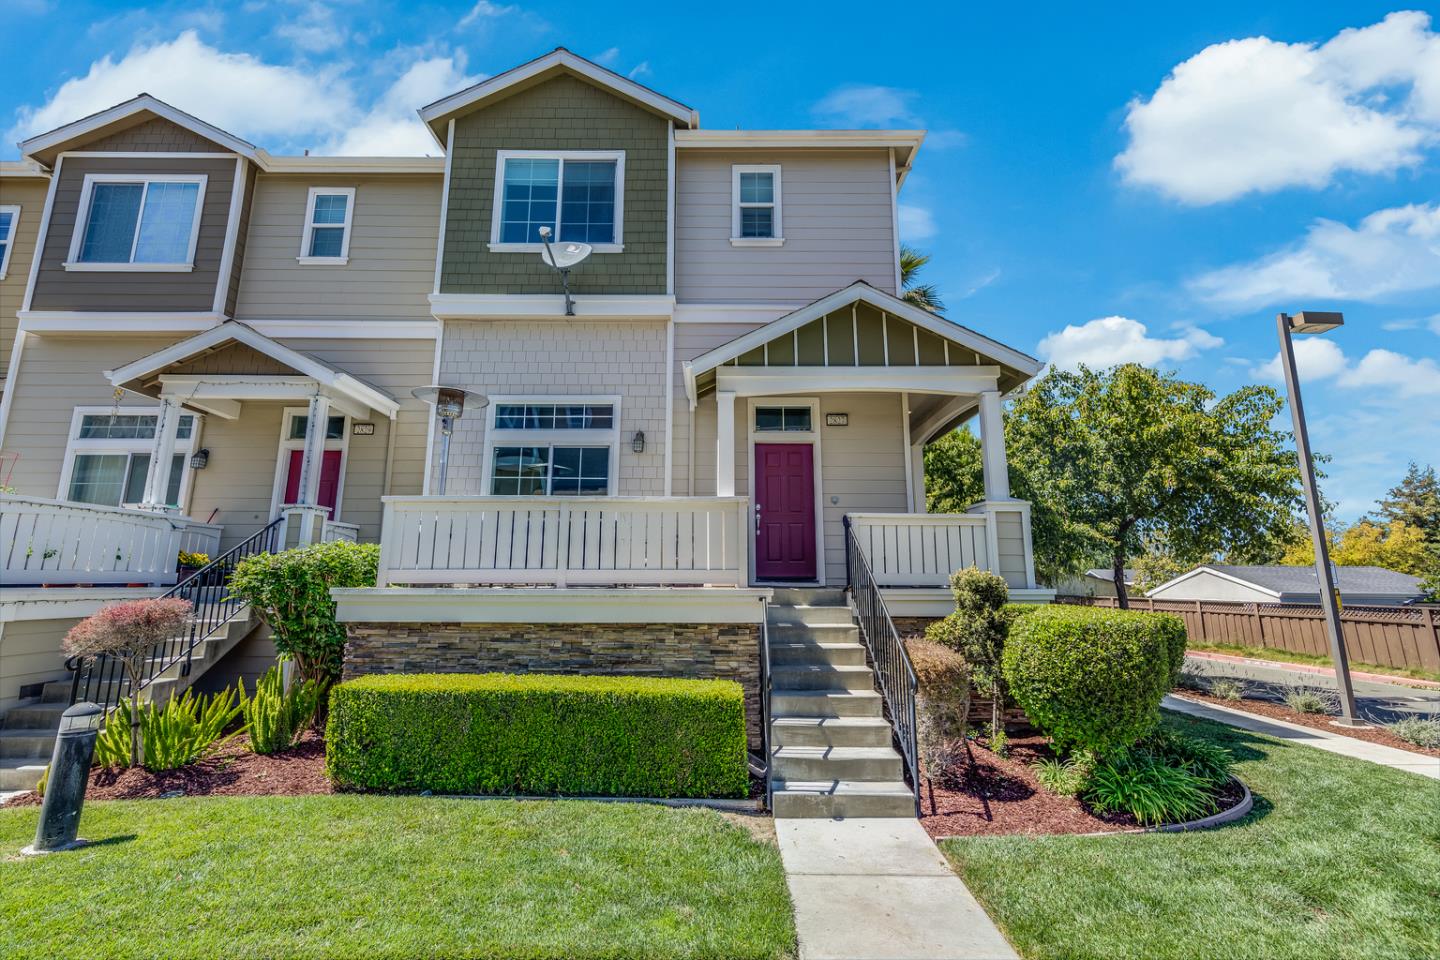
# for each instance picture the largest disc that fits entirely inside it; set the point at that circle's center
(1320, 739)
(879, 889)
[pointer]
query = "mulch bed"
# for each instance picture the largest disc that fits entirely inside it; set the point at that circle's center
(992, 795)
(232, 771)
(1275, 711)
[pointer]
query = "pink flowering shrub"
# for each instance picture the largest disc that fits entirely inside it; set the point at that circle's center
(127, 631)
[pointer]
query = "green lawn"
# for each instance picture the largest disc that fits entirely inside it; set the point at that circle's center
(367, 876)
(1341, 859)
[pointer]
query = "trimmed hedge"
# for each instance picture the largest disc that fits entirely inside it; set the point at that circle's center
(1093, 678)
(505, 733)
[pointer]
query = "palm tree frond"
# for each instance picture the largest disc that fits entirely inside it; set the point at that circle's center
(926, 296)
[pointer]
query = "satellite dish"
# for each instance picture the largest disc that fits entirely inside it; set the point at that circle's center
(562, 258)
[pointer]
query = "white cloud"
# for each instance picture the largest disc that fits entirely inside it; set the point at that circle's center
(1260, 115)
(1384, 374)
(916, 223)
(641, 69)
(607, 57)
(391, 128)
(1435, 324)
(485, 10)
(234, 91)
(1391, 251)
(862, 105)
(1108, 341)
(315, 30)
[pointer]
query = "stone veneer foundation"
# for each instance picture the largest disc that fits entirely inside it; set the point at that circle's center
(700, 651)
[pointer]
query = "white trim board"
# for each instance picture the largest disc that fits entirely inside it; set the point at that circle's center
(527, 306)
(551, 605)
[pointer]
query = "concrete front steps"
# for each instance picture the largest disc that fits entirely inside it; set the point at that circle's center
(27, 732)
(831, 751)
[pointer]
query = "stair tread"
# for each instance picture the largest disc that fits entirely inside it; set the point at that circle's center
(822, 693)
(831, 722)
(842, 787)
(26, 733)
(23, 763)
(834, 753)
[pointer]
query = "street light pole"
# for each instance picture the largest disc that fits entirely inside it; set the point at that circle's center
(1306, 324)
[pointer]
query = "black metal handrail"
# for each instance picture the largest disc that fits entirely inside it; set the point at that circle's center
(104, 680)
(898, 683)
(765, 684)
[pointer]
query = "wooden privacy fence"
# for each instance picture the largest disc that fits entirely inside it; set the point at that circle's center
(1390, 636)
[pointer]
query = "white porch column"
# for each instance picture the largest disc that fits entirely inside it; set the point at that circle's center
(992, 447)
(314, 455)
(917, 471)
(725, 443)
(157, 477)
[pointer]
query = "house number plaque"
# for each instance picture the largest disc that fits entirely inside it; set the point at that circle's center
(837, 419)
(362, 429)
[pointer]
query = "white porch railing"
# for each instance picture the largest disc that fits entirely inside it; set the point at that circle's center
(924, 549)
(335, 530)
(565, 541)
(199, 537)
(58, 542)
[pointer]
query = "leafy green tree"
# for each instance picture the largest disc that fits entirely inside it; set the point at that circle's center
(1416, 501)
(1158, 564)
(923, 295)
(1128, 453)
(1395, 546)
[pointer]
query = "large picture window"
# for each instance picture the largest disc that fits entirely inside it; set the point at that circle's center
(579, 195)
(540, 447)
(108, 457)
(127, 222)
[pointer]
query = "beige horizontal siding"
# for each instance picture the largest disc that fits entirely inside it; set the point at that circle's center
(30, 653)
(835, 216)
(29, 196)
(392, 252)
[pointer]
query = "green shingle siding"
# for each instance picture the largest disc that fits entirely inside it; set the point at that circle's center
(559, 114)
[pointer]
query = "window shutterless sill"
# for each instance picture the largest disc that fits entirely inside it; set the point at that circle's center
(322, 261)
(757, 241)
(129, 267)
(537, 247)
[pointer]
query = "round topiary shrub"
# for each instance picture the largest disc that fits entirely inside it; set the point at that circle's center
(1091, 678)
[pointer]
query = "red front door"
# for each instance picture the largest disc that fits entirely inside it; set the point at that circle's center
(785, 507)
(329, 479)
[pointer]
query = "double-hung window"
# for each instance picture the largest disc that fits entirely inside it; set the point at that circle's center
(128, 222)
(755, 205)
(326, 238)
(579, 195)
(544, 446)
(108, 456)
(9, 219)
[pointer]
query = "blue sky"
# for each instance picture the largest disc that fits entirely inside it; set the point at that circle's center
(1098, 185)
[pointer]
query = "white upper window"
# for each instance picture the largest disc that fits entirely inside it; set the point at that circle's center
(108, 456)
(328, 213)
(552, 446)
(128, 222)
(578, 194)
(755, 205)
(9, 218)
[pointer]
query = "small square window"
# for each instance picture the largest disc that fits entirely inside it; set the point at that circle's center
(782, 419)
(328, 215)
(755, 199)
(334, 427)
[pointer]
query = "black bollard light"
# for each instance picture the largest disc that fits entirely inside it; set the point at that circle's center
(68, 778)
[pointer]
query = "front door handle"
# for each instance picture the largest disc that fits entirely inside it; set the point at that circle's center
(757, 519)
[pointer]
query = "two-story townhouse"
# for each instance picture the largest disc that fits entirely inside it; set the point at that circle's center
(723, 396)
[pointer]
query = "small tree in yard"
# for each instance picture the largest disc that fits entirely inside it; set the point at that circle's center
(977, 629)
(291, 593)
(128, 632)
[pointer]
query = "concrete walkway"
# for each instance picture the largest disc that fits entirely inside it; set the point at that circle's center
(1320, 739)
(879, 889)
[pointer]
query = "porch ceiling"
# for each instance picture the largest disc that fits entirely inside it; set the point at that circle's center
(860, 338)
(216, 370)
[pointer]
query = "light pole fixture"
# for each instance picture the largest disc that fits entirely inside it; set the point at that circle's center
(1312, 323)
(450, 404)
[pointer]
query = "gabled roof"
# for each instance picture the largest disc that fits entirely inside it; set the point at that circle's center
(1108, 575)
(556, 62)
(1278, 580)
(44, 147)
(233, 332)
(860, 291)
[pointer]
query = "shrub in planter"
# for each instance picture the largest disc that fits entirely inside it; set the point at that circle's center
(538, 734)
(941, 705)
(1091, 678)
(1153, 792)
(977, 629)
(291, 593)
(275, 716)
(181, 731)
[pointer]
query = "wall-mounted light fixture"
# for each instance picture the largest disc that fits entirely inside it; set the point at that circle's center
(200, 458)
(637, 443)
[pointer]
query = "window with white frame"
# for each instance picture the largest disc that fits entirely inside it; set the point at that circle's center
(328, 214)
(552, 447)
(108, 456)
(9, 219)
(579, 195)
(755, 205)
(128, 222)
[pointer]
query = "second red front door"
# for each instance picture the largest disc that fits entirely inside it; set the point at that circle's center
(785, 511)
(329, 478)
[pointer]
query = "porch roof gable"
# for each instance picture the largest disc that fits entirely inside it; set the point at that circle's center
(991, 356)
(328, 379)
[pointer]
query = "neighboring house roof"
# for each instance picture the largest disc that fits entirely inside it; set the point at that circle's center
(1024, 365)
(436, 115)
(1106, 574)
(1279, 580)
(45, 147)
